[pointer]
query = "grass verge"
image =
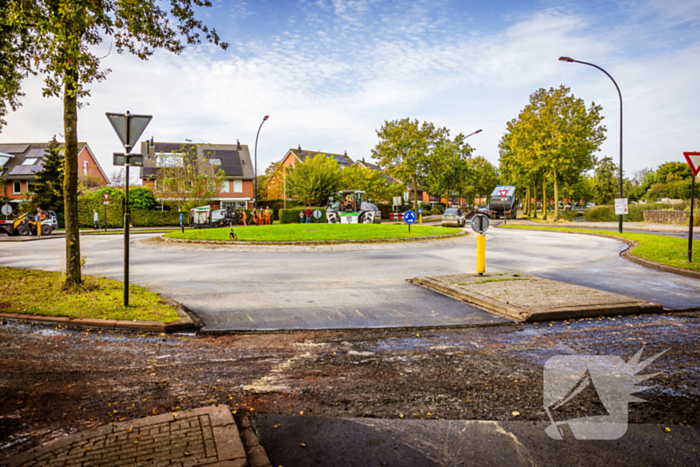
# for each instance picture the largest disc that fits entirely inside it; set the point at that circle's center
(34, 292)
(315, 233)
(667, 250)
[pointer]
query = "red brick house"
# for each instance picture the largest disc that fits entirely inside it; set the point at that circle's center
(20, 163)
(234, 159)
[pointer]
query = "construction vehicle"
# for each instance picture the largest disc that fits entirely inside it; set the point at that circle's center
(204, 217)
(503, 202)
(350, 207)
(25, 224)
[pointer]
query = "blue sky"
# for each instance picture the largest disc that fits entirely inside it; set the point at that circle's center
(329, 73)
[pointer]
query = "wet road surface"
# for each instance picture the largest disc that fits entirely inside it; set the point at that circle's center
(364, 386)
(268, 290)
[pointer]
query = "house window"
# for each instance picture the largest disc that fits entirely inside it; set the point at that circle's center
(30, 161)
(238, 186)
(165, 159)
(234, 204)
(17, 187)
(224, 186)
(85, 167)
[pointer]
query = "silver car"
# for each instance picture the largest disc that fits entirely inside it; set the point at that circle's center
(453, 217)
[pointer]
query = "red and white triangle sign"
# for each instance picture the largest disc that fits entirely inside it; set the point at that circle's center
(693, 159)
(503, 192)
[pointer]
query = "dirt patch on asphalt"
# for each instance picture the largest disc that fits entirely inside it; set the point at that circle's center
(55, 381)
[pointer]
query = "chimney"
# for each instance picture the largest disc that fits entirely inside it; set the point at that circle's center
(238, 143)
(300, 148)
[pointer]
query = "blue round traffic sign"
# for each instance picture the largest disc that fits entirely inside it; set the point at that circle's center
(420, 211)
(409, 217)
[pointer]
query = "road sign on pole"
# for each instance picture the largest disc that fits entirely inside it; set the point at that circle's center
(503, 193)
(105, 196)
(409, 217)
(129, 129)
(621, 207)
(693, 159)
(480, 223)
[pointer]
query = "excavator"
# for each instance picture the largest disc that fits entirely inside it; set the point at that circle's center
(25, 224)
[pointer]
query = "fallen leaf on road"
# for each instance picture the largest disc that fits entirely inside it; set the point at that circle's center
(515, 414)
(302, 445)
(667, 429)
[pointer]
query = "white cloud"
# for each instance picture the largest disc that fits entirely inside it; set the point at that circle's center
(330, 88)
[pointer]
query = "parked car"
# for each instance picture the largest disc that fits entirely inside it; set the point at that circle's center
(453, 217)
(483, 209)
(590, 205)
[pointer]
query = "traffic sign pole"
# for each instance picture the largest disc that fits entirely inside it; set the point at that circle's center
(693, 159)
(690, 232)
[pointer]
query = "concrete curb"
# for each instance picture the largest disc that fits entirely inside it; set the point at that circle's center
(204, 436)
(523, 315)
(184, 323)
(312, 243)
(627, 254)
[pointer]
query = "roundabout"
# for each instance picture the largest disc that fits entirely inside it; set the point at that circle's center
(258, 288)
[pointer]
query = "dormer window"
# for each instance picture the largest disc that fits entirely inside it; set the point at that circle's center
(30, 161)
(215, 161)
(5, 158)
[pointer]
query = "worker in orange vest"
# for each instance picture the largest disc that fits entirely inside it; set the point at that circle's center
(267, 216)
(244, 216)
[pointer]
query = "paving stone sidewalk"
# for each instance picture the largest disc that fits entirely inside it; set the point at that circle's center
(206, 436)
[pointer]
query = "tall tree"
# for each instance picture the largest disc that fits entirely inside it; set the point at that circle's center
(605, 185)
(448, 165)
(48, 194)
(58, 38)
(314, 180)
(373, 183)
(557, 135)
(481, 180)
(404, 150)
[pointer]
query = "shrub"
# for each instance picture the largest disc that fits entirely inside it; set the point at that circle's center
(291, 216)
(636, 212)
(146, 218)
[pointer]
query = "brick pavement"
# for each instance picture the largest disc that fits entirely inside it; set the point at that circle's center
(206, 436)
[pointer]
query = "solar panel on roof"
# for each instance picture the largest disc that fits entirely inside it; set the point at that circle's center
(230, 161)
(14, 148)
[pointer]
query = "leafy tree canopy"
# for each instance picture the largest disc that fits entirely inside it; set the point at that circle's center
(314, 180)
(48, 193)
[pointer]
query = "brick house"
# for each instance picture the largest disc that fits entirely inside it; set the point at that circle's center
(422, 194)
(20, 163)
(234, 159)
(297, 156)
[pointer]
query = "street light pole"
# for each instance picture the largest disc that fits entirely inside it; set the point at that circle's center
(255, 193)
(571, 60)
(454, 168)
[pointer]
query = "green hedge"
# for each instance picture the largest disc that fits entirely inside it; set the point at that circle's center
(636, 212)
(277, 204)
(145, 218)
(291, 216)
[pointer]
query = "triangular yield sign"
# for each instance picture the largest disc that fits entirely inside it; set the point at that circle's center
(693, 159)
(137, 123)
(503, 192)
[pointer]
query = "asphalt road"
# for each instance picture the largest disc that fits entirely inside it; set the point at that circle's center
(268, 290)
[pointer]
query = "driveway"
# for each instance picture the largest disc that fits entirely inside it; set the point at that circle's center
(272, 290)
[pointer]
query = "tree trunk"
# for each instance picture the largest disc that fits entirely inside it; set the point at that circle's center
(556, 197)
(415, 194)
(526, 205)
(544, 198)
(70, 181)
(534, 198)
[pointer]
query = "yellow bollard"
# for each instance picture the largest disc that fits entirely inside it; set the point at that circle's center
(420, 219)
(480, 254)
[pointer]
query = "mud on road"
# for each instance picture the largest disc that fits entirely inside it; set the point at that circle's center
(55, 381)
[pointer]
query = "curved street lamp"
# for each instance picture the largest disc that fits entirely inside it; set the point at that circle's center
(454, 168)
(571, 60)
(255, 193)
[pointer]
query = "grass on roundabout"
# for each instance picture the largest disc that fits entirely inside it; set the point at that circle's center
(662, 249)
(320, 232)
(33, 292)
